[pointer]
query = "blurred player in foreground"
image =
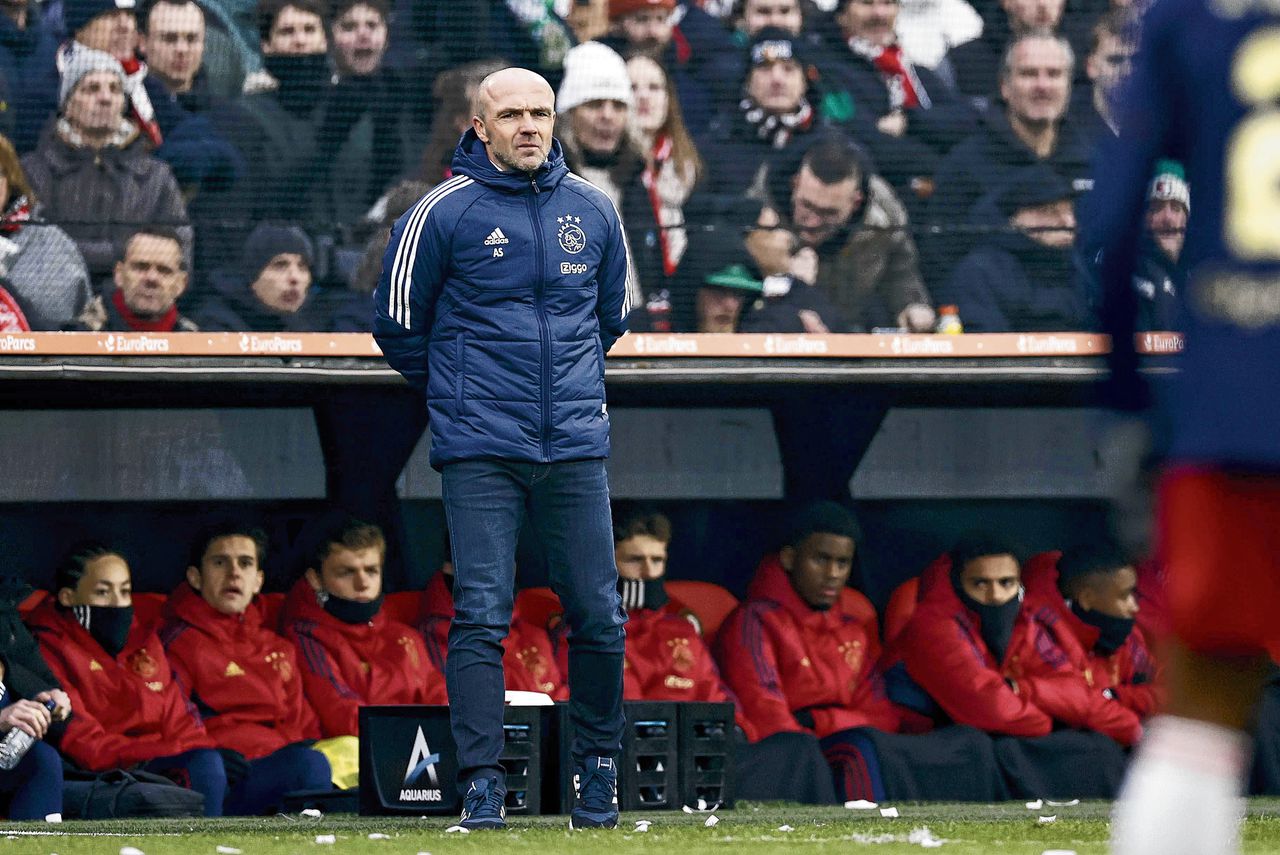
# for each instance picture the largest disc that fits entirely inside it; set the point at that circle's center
(1203, 90)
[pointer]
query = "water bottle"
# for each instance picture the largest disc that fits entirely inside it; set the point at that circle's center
(17, 743)
(949, 320)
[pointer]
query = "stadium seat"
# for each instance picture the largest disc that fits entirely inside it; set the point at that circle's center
(34, 599)
(538, 605)
(855, 603)
(709, 602)
(148, 606)
(902, 605)
(1040, 574)
(271, 604)
(403, 606)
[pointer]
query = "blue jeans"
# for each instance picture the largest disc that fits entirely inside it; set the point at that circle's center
(34, 786)
(485, 503)
(294, 767)
(200, 769)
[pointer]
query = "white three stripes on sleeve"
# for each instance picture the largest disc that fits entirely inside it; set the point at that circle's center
(407, 251)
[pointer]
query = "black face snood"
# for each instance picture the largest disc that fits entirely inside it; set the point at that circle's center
(996, 622)
(302, 79)
(349, 611)
(1114, 631)
(642, 594)
(109, 625)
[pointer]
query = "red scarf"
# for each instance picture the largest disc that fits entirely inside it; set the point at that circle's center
(662, 147)
(165, 323)
(17, 215)
(901, 76)
(150, 127)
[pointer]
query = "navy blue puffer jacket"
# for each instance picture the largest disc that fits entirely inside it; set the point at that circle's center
(500, 295)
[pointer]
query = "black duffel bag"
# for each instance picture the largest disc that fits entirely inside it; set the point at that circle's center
(117, 793)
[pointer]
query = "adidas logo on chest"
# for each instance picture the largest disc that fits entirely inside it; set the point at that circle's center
(496, 238)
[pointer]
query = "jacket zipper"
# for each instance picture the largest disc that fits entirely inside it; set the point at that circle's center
(543, 328)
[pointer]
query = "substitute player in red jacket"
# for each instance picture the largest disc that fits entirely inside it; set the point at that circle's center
(1098, 604)
(996, 660)
(243, 677)
(800, 663)
(128, 708)
(528, 661)
(351, 652)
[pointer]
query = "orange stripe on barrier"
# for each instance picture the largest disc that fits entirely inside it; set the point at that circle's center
(634, 345)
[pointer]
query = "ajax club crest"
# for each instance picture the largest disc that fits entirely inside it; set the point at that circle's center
(571, 237)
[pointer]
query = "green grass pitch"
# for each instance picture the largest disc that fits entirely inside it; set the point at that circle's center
(750, 828)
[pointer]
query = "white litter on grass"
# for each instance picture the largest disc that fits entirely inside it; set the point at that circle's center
(312, 813)
(323, 839)
(1059, 852)
(1071, 803)
(1036, 805)
(1045, 820)
(889, 812)
(924, 838)
(785, 828)
(702, 807)
(861, 804)
(457, 829)
(228, 850)
(711, 821)
(129, 850)
(642, 825)
(379, 836)
(53, 817)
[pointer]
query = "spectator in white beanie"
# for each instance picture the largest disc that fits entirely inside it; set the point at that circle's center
(593, 126)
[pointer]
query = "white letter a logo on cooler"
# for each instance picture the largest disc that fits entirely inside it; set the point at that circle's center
(420, 761)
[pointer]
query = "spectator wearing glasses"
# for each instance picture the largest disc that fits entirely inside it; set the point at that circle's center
(838, 207)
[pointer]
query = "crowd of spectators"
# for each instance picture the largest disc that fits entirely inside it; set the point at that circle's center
(991, 674)
(780, 165)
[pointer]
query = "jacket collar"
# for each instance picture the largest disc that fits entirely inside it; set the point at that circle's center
(186, 604)
(772, 583)
(471, 159)
(301, 604)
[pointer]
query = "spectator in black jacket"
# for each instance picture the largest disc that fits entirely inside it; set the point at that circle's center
(773, 115)
(1023, 277)
(975, 66)
(1028, 128)
(172, 39)
(33, 789)
(1106, 66)
(916, 117)
(271, 290)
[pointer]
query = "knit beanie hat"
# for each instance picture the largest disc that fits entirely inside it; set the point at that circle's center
(269, 240)
(1170, 182)
(77, 13)
(622, 8)
(774, 44)
(82, 61)
(593, 72)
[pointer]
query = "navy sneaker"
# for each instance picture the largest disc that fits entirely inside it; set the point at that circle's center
(595, 787)
(485, 805)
